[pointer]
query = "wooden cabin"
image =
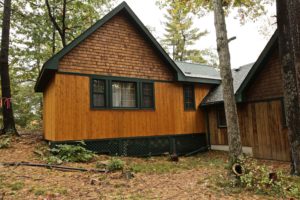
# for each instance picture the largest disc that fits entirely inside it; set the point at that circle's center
(259, 93)
(115, 88)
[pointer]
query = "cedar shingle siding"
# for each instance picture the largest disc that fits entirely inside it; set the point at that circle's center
(268, 82)
(117, 49)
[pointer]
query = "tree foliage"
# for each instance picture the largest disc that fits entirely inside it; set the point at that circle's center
(180, 35)
(33, 40)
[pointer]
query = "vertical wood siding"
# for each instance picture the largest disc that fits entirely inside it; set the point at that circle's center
(49, 111)
(75, 120)
(261, 125)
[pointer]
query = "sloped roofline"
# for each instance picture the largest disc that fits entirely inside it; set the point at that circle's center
(51, 66)
(257, 66)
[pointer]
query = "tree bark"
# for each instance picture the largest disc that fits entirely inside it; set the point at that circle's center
(233, 132)
(288, 19)
(7, 111)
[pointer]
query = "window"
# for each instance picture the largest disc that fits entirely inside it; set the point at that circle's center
(189, 97)
(123, 94)
(147, 100)
(98, 92)
(221, 118)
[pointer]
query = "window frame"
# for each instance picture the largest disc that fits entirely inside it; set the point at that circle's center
(92, 93)
(221, 109)
(109, 94)
(142, 95)
(184, 97)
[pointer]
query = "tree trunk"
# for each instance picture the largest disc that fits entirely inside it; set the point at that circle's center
(233, 132)
(288, 19)
(61, 31)
(8, 118)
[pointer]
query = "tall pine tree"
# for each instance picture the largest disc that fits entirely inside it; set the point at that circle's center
(180, 35)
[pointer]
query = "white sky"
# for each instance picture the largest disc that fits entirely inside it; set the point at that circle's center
(245, 49)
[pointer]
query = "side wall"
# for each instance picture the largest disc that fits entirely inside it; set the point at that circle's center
(268, 82)
(75, 120)
(262, 128)
(49, 111)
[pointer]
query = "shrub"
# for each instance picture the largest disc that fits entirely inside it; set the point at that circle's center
(115, 164)
(5, 142)
(261, 180)
(17, 186)
(71, 153)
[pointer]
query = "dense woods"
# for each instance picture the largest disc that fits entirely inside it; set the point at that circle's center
(32, 43)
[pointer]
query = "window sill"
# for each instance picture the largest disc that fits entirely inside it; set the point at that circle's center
(122, 109)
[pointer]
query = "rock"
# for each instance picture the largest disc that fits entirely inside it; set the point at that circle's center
(128, 175)
(94, 182)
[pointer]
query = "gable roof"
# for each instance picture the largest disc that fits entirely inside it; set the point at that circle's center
(243, 76)
(238, 74)
(258, 65)
(51, 66)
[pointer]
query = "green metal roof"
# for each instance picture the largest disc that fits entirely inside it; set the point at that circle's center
(199, 73)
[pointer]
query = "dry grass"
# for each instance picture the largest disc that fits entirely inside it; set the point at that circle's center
(155, 178)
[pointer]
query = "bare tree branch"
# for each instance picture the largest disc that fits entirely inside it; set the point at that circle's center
(54, 22)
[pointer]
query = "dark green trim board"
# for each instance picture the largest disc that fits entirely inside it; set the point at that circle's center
(53, 62)
(145, 146)
(112, 77)
(108, 92)
(258, 65)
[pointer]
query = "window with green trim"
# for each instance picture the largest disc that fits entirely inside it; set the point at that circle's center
(189, 97)
(122, 93)
(98, 93)
(147, 95)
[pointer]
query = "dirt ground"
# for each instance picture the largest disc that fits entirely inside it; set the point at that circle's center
(154, 178)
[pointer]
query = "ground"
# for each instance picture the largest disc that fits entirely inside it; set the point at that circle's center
(192, 177)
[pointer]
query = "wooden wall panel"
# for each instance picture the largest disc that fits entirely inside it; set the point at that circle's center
(49, 111)
(76, 121)
(261, 128)
(117, 48)
(268, 82)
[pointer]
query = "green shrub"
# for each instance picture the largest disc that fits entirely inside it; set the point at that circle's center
(53, 160)
(261, 180)
(71, 153)
(17, 186)
(115, 164)
(5, 142)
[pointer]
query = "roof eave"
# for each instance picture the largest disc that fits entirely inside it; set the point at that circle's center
(183, 78)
